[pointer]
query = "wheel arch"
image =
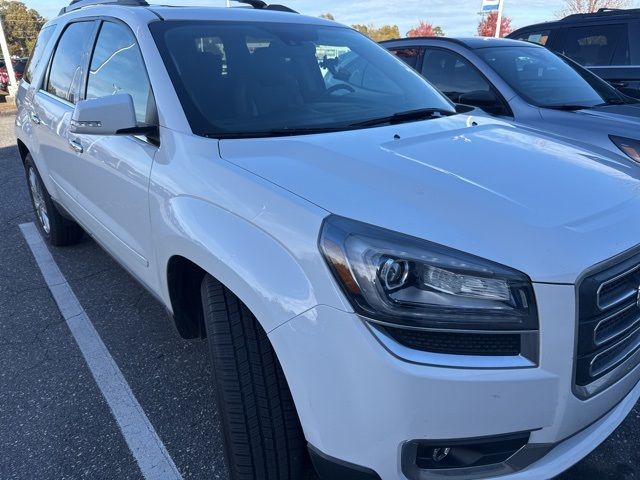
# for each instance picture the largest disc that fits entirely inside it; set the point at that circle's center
(274, 283)
(184, 278)
(23, 149)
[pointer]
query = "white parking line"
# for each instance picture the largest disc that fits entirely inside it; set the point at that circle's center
(143, 441)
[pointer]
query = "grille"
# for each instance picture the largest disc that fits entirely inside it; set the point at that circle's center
(458, 343)
(609, 319)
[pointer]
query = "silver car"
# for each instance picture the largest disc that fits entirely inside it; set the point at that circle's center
(529, 84)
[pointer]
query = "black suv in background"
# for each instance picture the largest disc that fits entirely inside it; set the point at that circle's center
(606, 42)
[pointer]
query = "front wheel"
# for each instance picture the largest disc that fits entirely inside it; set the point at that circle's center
(56, 229)
(262, 432)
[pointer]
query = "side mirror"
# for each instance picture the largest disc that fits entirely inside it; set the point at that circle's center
(485, 100)
(479, 98)
(112, 115)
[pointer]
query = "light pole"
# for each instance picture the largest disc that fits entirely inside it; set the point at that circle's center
(499, 20)
(13, 85)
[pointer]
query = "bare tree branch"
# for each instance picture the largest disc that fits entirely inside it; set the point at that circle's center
(591, 6)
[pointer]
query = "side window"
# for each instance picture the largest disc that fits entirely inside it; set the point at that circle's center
(117, 67)
(346, 67)
(454, 76)
(211, 50)
(340, 66)
(65, 74)
(539, 37)
(41, 44)
(596, 45)
(410, 56)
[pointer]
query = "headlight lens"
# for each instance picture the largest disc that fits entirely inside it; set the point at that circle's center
(394, 278)
(628, 145)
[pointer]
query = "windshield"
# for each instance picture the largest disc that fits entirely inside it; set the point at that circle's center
(547, 80)
(250, 78)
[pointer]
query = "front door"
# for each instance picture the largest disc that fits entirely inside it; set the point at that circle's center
(112, 174)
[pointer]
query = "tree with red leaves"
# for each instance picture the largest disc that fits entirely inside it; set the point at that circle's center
(487, 25)
(425, 29)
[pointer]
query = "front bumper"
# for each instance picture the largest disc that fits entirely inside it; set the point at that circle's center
(361, 404)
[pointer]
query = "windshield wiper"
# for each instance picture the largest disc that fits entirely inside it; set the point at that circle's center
(407, 116)
(569, 108)
(276, 132)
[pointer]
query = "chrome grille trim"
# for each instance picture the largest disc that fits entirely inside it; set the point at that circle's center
(626, 352)
(603, 323)
(622, 298)
(607, 324)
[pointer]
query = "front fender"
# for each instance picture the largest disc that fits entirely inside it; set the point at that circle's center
(267, 275)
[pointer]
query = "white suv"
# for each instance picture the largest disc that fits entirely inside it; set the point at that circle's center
(391, 288)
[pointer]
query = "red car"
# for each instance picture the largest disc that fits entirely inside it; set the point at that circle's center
(18, 67)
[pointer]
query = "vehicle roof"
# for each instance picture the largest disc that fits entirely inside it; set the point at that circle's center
(472, 43)
(236, 14)
(580, 18)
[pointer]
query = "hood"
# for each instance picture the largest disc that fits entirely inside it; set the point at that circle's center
(621, 113)
(591, 124)
(475, 184)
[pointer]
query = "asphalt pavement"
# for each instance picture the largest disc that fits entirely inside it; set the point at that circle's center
(54, 420)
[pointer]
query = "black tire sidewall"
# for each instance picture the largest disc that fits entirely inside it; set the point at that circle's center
(30, 165)
(62, 231)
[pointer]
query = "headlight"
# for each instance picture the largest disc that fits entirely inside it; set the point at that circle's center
(628, 145)
(397, 279)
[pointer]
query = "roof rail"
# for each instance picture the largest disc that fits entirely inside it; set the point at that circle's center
(78, 4)
(260, 5)
(605, 12)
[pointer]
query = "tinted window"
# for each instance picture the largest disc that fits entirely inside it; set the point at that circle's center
(267, 77)
(539, 37)
(354, 70)
(596, 45)
(38, 51)
(452, 74)
(410, 56)
(117, 67)
(65, 75)
(545, 79)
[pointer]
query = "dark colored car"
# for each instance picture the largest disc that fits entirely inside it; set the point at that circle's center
(606, 42)
(18, 67)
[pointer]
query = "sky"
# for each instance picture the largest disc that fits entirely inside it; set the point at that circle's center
(456, 17)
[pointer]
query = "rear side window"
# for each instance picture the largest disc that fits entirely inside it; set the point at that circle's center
(65, 75)
(41, 44)
(597, 45)
(410, 56)
(117, 67)
(541, 37)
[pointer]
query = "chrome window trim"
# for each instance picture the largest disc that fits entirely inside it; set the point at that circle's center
(54, 97)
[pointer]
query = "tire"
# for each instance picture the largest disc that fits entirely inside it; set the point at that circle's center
(262, 433)
(56, 229)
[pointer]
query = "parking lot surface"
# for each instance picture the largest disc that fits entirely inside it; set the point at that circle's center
(54, 421)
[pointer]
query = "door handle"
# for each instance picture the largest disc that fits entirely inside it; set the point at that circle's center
(76, 146)
(35, 119)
